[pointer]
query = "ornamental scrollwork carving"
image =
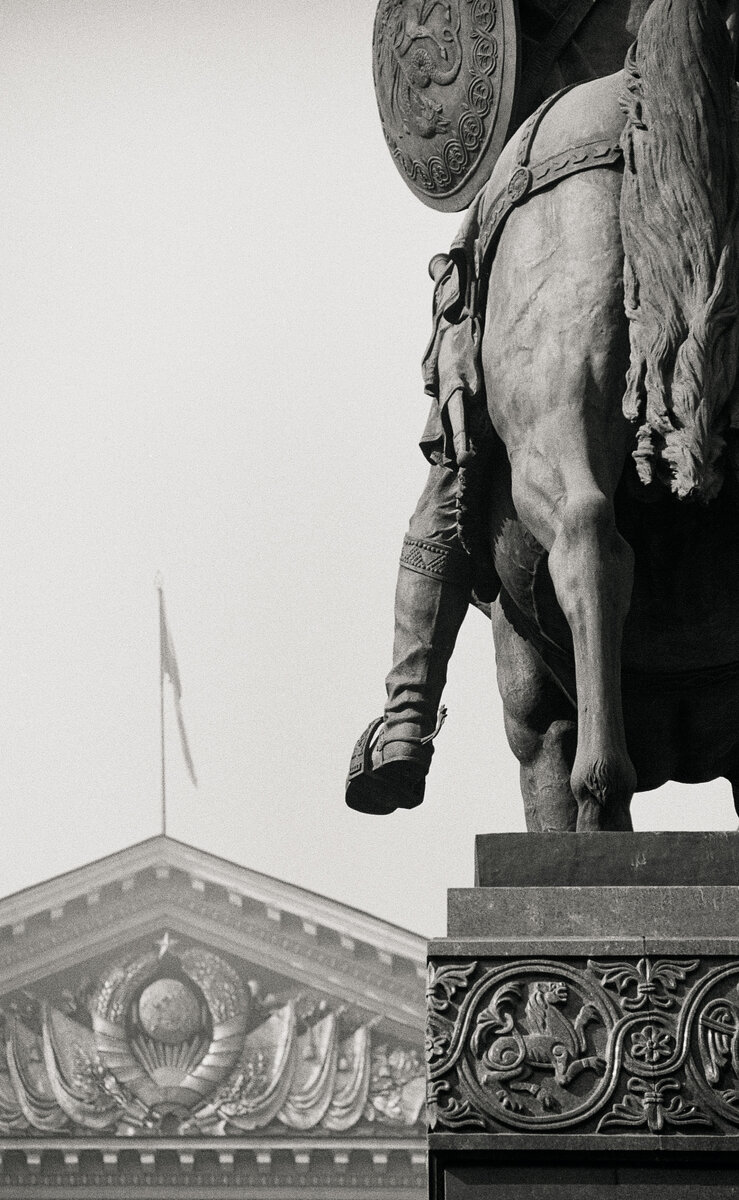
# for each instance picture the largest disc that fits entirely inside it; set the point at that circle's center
(653, 1104)
(445, 1111)
(649, 1044)
(714, 1063)
(644, 984)
(444, 991)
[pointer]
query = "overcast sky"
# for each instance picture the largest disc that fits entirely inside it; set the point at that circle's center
(214, 302)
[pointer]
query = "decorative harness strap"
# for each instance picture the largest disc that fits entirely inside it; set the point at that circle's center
(526, 179)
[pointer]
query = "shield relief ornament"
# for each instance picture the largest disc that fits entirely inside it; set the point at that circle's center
(445, 76)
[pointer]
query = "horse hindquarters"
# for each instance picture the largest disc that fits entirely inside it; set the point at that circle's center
(555, 353)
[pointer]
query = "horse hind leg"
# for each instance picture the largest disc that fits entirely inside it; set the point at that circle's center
(541, 727)
(591, 567)
(563, 493)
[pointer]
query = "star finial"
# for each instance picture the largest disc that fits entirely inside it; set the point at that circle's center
(165, 944)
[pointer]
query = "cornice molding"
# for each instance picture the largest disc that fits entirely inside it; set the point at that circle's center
(280, 1168)
(125, 868)
(374, 986)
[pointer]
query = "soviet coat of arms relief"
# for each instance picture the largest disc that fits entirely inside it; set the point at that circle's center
(179, 1040)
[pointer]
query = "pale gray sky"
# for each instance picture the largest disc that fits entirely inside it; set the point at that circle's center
(214, 303)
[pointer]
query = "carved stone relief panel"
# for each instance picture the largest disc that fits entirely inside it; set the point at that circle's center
(649, 1045)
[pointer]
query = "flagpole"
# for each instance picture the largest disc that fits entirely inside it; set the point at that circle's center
(168, 666)
(159, 583)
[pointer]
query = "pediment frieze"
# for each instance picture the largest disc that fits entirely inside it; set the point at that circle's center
(172, 1035)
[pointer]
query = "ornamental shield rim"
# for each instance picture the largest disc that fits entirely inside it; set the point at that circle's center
(446, 76)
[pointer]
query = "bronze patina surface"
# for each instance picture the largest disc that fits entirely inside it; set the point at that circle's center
(584, 434)
(454, 80)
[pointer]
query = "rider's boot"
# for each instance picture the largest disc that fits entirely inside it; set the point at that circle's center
(392, 757)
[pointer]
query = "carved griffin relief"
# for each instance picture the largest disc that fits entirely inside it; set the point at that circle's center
(649, 1044)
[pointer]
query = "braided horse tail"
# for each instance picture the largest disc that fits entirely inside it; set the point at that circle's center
(678, 221)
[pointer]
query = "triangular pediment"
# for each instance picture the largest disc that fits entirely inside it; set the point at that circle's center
(163, 989)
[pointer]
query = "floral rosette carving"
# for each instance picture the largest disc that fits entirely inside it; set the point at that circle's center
(652, 1044)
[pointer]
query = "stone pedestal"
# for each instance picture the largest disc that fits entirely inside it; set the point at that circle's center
(583, 1020)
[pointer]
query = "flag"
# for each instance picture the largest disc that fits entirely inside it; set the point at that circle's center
(171, 670)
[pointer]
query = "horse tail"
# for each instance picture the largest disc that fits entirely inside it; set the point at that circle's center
(678, 221)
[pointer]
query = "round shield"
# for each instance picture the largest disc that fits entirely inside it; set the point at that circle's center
(445, 79)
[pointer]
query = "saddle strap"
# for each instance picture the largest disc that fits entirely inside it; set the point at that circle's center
(523, 154)
(528, 133)
(528, 180)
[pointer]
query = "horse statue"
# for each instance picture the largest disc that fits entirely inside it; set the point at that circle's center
(609, 355)
(588, 308)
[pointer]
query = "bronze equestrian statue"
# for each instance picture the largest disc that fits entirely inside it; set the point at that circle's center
(589, 309)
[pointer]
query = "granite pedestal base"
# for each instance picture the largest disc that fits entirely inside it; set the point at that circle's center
(583, 1020)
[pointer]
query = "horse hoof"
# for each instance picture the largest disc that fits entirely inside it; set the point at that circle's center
(617, 817)
(593, 817)
(590, 816)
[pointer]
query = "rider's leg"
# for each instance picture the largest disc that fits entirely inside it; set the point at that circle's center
(432, 596)
(431, 599)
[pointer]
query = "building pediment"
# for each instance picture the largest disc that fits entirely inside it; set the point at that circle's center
(163, 992)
